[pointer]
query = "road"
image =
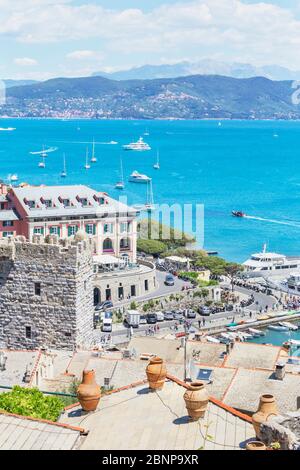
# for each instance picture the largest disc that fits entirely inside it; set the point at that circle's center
(121, 334)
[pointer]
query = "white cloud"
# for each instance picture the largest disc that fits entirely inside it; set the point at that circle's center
(84, 55)
(25, 61)
(260, 33)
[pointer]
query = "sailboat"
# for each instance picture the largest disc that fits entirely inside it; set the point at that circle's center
(42, 163)
(156, 165)
(93, 159)
(87, 166)
(120, 184)
(64, 172)
(150, 206)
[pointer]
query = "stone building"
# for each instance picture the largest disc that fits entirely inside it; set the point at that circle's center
(46, 293)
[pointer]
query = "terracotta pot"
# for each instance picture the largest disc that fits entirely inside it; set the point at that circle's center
(256, 445)
(196, 400)
(267, 409)
(89, 392)
(156, 373)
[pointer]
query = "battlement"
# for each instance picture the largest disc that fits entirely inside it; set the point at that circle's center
(48, 248)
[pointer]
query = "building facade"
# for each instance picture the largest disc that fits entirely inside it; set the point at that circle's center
(65, 210)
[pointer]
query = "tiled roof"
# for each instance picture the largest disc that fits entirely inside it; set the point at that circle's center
(24, 433)
(74, 193)
(8, 215)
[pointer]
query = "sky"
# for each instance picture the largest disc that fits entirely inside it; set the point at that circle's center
(41, 39)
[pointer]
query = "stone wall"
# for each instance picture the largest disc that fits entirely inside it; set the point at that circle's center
(46, 289)
(284, 430)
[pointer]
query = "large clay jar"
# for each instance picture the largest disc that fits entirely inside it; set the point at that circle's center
(256, 445)
(156, 373)
(267, 409)
(89, 392)
(196, 400)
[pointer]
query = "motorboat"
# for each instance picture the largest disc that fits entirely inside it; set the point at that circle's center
(211, 339)
(238, 214)
(255, 332)
(289, 325)
(277, 328)
(7, 129)
(13, 177)
(137, 177)
(140, 145)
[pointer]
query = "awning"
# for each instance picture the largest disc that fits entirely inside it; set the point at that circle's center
(106, 259)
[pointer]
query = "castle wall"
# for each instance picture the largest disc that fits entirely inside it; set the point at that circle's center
(46, 294)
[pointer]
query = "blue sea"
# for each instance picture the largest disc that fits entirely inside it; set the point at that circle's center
(252, 166)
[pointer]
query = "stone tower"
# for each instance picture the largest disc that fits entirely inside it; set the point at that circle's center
(46, 293)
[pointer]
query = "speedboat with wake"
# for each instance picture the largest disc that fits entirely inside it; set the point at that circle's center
(238, 214)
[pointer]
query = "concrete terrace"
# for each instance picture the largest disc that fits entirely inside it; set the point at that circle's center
(139, 419)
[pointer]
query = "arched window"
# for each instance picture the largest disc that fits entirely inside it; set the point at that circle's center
(107, 245)
(97, 296)
(125, 244)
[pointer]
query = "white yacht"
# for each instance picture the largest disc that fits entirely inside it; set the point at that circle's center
(140, 145)
(270, 264)
(137, 177)
(13, 177)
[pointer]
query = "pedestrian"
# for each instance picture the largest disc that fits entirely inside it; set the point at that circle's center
(199, 323)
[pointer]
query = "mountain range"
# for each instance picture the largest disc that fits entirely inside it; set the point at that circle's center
(203, 67)
(190, 97)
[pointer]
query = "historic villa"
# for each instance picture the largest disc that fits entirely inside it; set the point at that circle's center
(65, 216)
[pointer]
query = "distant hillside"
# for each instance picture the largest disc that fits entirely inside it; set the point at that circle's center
(203, 67)
(192, 97)
(11, 83)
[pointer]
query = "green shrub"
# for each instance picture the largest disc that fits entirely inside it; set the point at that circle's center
(31, 402)
(151, 247)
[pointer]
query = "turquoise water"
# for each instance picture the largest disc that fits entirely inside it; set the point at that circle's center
(277, 338)
(240, 165)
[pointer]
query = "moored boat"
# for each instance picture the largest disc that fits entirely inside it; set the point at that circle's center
(137, 177)
(277, 328)
(140, 145)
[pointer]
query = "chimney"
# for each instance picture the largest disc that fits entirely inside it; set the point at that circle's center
(280, 370)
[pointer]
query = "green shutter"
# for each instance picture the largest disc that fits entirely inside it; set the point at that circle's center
(94, 229)
(86, 229)
(58, 231)
(69, 231)
(42, 230)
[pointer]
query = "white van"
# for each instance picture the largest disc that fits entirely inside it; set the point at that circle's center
(160, 316)
(107, 325)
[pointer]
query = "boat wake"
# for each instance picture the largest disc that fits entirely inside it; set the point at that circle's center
(273, 221)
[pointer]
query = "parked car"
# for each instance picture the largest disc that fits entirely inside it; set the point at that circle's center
(168, 316)
(143, 319)
(151, 318)
(169, 280)
(203, 310)
(178, 315)
(190, 314)
(160, 316)
(104, 305)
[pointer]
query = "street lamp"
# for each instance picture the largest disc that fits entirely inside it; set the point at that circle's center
(186, 335)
